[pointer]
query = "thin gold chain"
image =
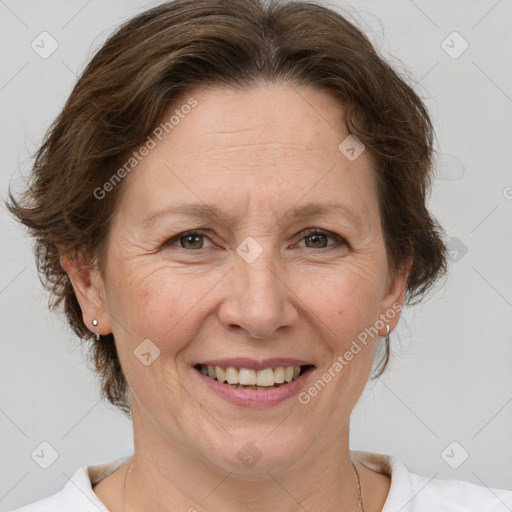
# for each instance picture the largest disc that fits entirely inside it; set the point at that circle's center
(126, 478)
(361, 506)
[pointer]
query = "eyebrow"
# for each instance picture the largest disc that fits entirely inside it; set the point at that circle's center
(201, 211)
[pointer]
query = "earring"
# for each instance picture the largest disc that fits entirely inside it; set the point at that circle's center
(96, 335)
(387, 344)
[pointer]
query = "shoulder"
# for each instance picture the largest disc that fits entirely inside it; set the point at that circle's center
(451, 495)
(410, 492)
(77, 495)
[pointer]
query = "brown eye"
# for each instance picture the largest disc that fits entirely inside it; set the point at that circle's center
(317, 240)
(191, 241)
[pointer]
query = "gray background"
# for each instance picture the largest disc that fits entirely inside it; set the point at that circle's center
(450, 377)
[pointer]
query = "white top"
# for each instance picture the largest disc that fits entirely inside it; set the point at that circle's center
(408, 492)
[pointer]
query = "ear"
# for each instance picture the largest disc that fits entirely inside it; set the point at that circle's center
(393, 300)
(85, 276)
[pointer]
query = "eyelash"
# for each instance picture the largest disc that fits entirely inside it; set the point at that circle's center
(303, 234)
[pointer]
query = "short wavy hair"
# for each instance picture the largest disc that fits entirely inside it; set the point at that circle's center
(131, 82)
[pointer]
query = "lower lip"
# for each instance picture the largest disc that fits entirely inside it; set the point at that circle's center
(256, 398)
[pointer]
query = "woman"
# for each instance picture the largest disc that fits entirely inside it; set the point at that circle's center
(231, 207)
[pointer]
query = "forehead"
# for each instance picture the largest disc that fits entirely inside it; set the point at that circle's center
(269, 146)
(263, 117)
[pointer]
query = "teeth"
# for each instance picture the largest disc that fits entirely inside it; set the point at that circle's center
(266, 377)
(221, 374)
(288, 373)
(231, 375)
(279, 375)
(248, 378)
(252, 388)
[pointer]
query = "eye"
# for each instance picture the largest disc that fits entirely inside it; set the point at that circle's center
(190, 240)
(315, 239)
(318, 238)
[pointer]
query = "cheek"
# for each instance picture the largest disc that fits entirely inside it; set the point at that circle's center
(158, 302)
(344, 301)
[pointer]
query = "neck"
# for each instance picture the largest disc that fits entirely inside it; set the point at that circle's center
(164, 477)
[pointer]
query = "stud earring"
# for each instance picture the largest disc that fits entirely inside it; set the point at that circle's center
(387, 345)
(96, 335)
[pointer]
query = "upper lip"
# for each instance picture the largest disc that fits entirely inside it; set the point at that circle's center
(255, 364)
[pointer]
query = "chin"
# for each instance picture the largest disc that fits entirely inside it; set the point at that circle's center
(256, 452)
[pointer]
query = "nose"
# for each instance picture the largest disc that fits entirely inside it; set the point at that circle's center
(257, 298)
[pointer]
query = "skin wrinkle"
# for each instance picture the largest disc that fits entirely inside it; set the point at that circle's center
(352, 232)
(260, 147)
(216, 304)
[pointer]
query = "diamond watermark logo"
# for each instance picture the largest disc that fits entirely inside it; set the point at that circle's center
(44, 455)
(146, 352)
(454, 45)
(44, 45)
(454, 455)
(249, 454)
(249, 249)
(457, 249)
(351, 147)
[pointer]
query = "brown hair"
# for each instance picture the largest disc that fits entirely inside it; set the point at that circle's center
(161, 53)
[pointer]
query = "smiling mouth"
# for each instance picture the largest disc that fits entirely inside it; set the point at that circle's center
(246, 378)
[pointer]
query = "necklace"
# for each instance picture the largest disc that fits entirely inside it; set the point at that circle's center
(361, 506)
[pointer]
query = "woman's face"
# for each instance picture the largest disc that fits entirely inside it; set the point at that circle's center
(252, 172)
